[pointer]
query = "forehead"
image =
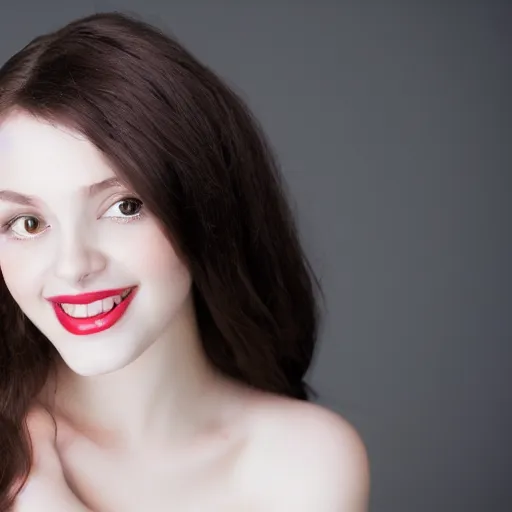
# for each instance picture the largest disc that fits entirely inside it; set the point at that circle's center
(34, 152)
(20, 128)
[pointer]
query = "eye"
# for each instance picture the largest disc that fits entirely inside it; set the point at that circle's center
(30, 224)
(129, 207)
(130, 210)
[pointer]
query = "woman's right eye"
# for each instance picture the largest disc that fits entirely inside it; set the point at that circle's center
(31, 223)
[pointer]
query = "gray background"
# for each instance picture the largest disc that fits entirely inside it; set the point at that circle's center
(392, 122)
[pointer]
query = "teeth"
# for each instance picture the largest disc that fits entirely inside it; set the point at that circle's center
(95, 308)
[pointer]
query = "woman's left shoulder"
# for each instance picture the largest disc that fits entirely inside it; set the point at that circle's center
(317, 459)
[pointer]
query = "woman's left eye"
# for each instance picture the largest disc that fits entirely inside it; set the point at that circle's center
(130, 205)
(131, 214)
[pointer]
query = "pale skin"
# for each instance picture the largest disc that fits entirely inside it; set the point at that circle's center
(144, 421)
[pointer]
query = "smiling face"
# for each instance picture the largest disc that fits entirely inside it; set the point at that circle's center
(75, 239)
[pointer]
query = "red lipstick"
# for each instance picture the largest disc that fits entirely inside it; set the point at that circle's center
(93, 324)
(86, 298)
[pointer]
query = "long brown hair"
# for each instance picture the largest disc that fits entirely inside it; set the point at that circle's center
(190, 147)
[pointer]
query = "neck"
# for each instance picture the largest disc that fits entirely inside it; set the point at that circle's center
(169, 393)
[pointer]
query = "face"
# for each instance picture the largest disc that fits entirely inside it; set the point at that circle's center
(71, 242)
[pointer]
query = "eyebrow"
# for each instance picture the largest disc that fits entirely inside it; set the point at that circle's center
(91, 191)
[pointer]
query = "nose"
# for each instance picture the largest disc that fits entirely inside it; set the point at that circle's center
(76, 258)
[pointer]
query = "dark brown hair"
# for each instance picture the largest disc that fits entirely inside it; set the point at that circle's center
(191, 149)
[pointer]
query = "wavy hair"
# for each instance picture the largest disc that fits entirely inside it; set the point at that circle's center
(190, 147)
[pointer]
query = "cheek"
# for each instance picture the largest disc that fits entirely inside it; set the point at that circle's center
(158, 258)
(19, 277)
(168, 278)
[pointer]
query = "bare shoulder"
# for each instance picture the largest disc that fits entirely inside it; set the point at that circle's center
(306, 458)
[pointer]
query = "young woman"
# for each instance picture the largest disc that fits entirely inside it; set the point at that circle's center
(158, 314)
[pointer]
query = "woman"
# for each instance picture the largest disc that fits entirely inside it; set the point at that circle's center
(158, 314)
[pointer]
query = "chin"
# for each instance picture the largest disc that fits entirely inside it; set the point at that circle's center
(89, 362)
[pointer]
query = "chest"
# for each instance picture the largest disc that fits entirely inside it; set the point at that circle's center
(195, 480)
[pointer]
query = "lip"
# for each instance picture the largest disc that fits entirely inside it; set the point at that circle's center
(86, 298)
(97, 323)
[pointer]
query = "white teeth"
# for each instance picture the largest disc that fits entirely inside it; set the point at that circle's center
(106, 304)
(95, 308)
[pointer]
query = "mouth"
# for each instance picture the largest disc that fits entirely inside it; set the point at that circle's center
(94, 309)
(98, 316)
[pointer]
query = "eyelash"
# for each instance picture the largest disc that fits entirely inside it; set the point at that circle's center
(7, 227)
